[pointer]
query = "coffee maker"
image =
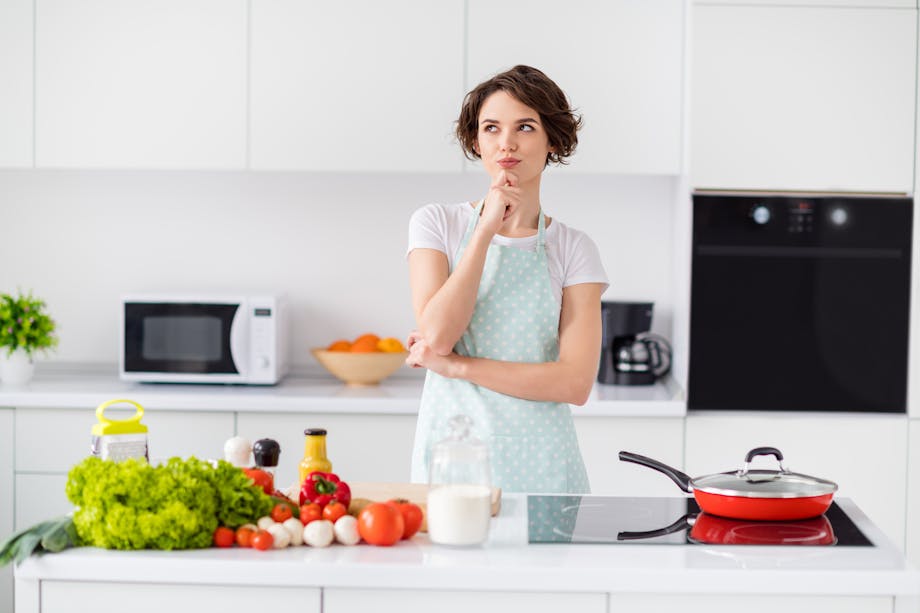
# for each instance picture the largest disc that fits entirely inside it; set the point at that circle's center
(630, 354)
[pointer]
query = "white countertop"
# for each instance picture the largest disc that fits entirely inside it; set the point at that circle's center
(78, 387)
(507, 562)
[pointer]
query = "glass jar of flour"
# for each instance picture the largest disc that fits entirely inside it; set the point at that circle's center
(459, 507)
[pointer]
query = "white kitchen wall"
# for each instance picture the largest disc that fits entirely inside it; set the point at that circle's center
(333, 243)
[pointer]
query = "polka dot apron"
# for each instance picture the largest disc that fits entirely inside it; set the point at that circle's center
(532, 445)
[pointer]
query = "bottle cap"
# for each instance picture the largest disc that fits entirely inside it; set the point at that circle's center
(265, 452)
(315, 432)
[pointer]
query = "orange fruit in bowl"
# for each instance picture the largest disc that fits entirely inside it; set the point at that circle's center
(390, 345)
(365, 343)
(339, 345)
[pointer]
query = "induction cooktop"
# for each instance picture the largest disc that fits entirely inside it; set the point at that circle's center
(675, 521)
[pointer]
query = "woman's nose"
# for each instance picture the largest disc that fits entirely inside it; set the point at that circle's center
(508, 144)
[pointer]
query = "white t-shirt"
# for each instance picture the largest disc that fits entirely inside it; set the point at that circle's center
(571, 255)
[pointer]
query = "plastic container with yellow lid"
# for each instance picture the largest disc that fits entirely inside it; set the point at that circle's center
(118, 440)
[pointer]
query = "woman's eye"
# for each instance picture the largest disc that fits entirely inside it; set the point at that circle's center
(490, 128)
(527, 127)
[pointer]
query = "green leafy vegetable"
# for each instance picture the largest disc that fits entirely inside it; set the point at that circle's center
(176, 505)
(53, 535)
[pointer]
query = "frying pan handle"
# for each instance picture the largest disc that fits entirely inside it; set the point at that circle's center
(681, 524)
(681, 479)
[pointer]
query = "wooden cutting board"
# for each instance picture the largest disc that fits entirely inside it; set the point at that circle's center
(414, 492)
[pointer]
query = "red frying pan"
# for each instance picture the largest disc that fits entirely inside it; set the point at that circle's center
(751, 494)
(712, 530)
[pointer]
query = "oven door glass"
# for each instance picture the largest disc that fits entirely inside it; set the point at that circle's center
(797, 312)
(179, 338)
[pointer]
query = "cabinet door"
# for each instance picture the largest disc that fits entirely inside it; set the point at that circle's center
(913, 493)
(424, 601)
(132, 84)
(865, 455)
(800, 98)
(356, 86)
(761, 603)
(16, 76)
(67, 596)
(620, 63)
(602, 438)
(6, 504)
(361, 447)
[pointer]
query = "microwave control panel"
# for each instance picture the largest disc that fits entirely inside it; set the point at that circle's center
(265, 318)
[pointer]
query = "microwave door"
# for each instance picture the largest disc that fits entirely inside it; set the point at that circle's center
(179, 338)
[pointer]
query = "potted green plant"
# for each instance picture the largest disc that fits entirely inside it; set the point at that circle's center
(25, 328)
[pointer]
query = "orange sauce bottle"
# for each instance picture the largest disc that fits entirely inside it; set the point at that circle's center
(314, 453)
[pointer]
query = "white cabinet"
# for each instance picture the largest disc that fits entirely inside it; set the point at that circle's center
(136, 84)
(620, 63)
(419, 601)
(16, 76)
(78, 597)
(732, 603)
(356, 86)
(803, 98)
(601, 439)
(913, 493)
(6, 504)
(865, 455)
(361, 447)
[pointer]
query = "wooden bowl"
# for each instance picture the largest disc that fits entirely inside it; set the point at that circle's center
(360, 368)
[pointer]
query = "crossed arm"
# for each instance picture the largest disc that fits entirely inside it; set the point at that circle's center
(444, 304)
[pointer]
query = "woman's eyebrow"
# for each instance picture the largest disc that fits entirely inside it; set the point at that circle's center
(519, 121)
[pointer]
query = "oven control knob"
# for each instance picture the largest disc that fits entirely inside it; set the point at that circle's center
(761, 214)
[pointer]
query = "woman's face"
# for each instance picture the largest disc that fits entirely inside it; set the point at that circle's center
(510, 137)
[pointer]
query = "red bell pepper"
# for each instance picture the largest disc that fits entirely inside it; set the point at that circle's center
(322, 488)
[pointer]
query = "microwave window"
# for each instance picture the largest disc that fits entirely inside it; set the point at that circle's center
(174, 337)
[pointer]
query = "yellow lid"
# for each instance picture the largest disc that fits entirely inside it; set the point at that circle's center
(131, 425)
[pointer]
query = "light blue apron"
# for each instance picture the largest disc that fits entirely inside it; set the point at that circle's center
(532, 445)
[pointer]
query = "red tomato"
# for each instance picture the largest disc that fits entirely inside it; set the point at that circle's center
(281, 512)
(334, 510)
(224, 537)
(244, 536)
(262, 540)
(380, 524)
(411, 514)
(261, 478)
(309, 512)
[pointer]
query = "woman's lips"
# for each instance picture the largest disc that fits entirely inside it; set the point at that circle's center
(508, 162)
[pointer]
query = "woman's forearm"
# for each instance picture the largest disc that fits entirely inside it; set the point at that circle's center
(541, 381)
(446, 315)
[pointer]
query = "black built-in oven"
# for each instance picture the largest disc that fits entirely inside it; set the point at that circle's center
(799, 302)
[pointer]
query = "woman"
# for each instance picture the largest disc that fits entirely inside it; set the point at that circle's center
(507, 301)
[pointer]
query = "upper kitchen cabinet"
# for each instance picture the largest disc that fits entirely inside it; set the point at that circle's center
(356, 86)
(859, 3)
(16, 76)
(803, 98)
(620, 63)
(140, 84)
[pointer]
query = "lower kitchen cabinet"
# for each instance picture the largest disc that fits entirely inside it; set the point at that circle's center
(78, 597)
(913, 493)
(602, 438)
(361, 447)
(6, 503)
(421, 601)
(866, 455)
(731, 603)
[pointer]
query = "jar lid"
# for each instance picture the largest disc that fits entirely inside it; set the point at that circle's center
(460, 443)
(265, 452)
(315, 432)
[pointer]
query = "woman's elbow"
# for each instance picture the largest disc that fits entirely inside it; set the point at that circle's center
(580, 391)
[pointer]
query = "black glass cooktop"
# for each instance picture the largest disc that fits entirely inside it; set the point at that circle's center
(675, 521)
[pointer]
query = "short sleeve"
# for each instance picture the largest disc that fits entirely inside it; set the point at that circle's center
(428, 229)
(583, 262)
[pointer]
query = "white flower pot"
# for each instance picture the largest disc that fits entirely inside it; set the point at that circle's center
(15, 369)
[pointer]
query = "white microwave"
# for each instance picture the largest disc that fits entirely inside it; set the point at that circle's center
(203, 339)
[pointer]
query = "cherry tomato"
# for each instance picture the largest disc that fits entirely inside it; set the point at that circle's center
(244, 536)
(380, 524)
(411, 514)
(281, 512)
(310, 512)
(262, 540)
(334, 510)
(224, 537)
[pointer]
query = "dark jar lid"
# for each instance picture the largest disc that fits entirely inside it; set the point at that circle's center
(266, 452)
(315, 432)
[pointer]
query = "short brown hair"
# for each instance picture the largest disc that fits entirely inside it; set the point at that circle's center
(533, 88)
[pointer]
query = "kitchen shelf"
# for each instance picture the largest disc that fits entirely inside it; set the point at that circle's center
(80, 387)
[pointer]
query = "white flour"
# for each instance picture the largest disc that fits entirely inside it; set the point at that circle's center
(459, 514)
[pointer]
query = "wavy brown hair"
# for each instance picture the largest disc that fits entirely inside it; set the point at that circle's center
(533, 88)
